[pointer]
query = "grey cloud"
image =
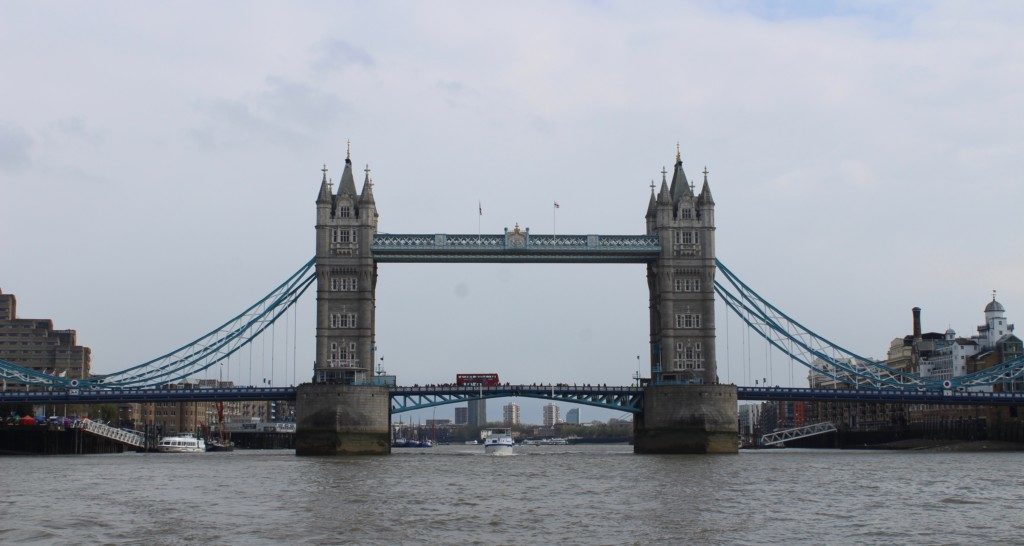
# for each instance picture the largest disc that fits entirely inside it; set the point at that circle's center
(15, 145)
(456, 94)
(285, 112)
(76, 128)
(336, 55)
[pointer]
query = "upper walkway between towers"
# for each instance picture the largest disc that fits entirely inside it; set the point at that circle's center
(515, 246)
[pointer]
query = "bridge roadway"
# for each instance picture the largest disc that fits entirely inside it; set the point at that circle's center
(622, 398)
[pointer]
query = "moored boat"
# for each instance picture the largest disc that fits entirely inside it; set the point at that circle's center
(181, 444)
(216, 445)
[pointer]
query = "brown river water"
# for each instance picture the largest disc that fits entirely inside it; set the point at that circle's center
(594, 494)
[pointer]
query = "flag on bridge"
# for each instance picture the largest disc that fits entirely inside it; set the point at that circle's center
(480, 208)
(556, 205)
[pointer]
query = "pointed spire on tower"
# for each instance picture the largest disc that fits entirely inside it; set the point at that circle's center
(652, 205)
(348, 183)
(325, 192)
(664, 195)
(366, 196)
(680, 187)
(705, 191)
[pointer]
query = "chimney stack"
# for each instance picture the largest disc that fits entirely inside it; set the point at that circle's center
(917, 323)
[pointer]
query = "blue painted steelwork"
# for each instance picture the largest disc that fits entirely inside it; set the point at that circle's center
(626, 399)
(191, 358)
(9, 371)
(104, 396)
(804, 345)
(889, 396)
(827, 358)
(521, 247)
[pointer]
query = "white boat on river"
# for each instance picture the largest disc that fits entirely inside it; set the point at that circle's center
(499, 442)
(181, 444)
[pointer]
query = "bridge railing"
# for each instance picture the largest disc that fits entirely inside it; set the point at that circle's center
(130, 438)
(782, 436)
(583, 389)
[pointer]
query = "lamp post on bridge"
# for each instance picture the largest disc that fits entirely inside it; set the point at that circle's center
(637, 375)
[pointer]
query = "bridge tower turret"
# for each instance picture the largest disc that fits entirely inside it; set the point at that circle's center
(681, 283)
(346, 280)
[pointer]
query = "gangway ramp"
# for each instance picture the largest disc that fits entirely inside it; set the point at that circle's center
(132, 439)
(782, 436)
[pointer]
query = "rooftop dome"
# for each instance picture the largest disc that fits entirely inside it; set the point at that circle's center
(994, 306)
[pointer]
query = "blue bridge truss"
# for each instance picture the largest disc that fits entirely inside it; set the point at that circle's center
(886, 396)
(625, 399)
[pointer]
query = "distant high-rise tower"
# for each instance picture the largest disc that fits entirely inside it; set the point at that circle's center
(477, 413)
(573, 416)
(461, 415)
(552, 415)
(681, 282)
(511, 414)
(346, 278)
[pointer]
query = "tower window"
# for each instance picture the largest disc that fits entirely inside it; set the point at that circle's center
(688, 356)
(688, 320)
(343, 320)
(687, 214)
(344, 211)
(687, 284)
(342, 235)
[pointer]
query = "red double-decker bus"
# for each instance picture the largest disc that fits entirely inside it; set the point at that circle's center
(485, 379)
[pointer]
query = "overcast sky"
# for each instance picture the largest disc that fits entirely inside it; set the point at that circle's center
(159, 166)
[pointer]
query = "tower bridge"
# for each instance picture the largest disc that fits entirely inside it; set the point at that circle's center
(346, 409)
(684, 407)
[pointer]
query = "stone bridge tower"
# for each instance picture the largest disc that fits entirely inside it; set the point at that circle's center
(346, 277)
(340, 412)
(681, 282)
(685, 409)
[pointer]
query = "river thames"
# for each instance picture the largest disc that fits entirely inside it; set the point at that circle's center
(595, 494)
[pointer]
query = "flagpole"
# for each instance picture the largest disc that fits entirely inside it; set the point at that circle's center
(480, 214)
(554, 230)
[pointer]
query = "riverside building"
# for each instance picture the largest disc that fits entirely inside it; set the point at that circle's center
(35, 344)
(942, 356)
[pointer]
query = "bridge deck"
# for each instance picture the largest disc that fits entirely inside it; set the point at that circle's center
(889, 396)
(610, 396)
